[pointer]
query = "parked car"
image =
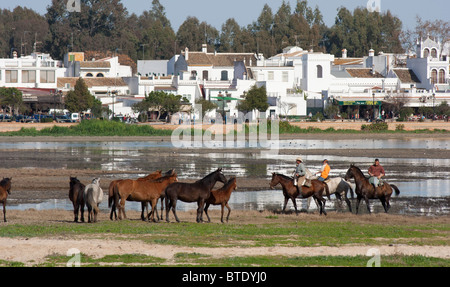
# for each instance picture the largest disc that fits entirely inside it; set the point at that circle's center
(5, 118)
(25, 119)
(63, 119)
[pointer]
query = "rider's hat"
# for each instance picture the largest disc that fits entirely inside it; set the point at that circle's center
(298, 159)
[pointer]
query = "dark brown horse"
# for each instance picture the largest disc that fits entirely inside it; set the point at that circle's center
(198, 191)
(76, 195)
(290, 191)
(221, 197)
(366, 190)
(5, 189)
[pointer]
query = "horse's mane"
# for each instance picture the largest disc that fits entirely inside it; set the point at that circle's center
(228, 183)
(161, 179)
(359, 170)
(284, 176)
(4, 181)
(209, 175)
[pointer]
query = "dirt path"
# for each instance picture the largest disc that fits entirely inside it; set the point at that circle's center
(32, 251)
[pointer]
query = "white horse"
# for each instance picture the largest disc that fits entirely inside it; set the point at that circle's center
(339, 187)
(93, 195)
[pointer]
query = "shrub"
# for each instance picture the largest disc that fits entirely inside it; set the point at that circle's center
(375, 127)
(400, 127)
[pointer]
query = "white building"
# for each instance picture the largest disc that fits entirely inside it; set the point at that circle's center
(34, 75)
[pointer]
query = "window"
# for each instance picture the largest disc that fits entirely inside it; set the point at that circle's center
(319, 72)
(89, 75)
(28, 76)
(285, 77)
(270, 76)
(426, 53)
(434, 77)
(205, 75)
(11, 76)
(224, 76)
(441, 76)
(100, 75)
(47, 76)
(434, 53)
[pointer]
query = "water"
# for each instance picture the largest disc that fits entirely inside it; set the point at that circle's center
(429, 180)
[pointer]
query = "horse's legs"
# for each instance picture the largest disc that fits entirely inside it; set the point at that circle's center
(206, 212)
(295, 205)
(348, 202)
(367, 203)
(4, 211)
(383, 202)
(75, 212)
(229, 210)
(96, 210)
(308, 203)
(144, 207)
(168, 206)
(82, 212)
(285, 203)
(113, 208)
(200, 205)
(162, 207)
(358, 201)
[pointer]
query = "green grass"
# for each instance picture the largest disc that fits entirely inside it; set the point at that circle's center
(274, 233)
(113, 128)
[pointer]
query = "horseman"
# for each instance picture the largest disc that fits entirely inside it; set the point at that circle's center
(376, 172)
(324, 171)
(301, 174)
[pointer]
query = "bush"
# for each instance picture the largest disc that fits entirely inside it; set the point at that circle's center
(400, 127)
(375, 127)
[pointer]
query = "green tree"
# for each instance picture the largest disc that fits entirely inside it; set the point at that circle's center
(79, 99)
(255, 99)
(206, 105)
(12, 98)
(193, 34)
(161, 102)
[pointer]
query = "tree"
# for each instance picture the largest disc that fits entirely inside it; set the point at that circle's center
(161, 102)
(12, 98)
(79, 99)
(255, 99)
(205, 105)
(193, 34)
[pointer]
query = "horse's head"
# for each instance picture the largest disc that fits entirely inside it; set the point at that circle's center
(350, 173)
(170, 172)
(219, 176)
(275, 180)
(6, 183)
(96, 181)
(232, 183)
(173, 176)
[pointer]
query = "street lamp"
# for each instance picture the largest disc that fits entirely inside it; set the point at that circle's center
(434, 112)
(373, 105)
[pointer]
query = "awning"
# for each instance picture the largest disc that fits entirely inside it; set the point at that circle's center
(226, 98)
(359, 103)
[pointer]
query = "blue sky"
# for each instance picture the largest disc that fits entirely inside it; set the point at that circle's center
(216, 12)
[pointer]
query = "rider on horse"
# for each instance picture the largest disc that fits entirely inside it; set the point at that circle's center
(302, 176)
(324, 171)
(376, 172)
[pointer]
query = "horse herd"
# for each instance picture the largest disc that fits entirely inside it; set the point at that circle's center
(155, 186)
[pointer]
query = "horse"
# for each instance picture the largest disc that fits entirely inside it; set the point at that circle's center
(76, 195)
(290, 191)
(221, 196)
(93, 195)
(142, 190)
(339, 187)
(5, 189)
(162, 196)
(366, 190)
(198, 191)
(111, 202)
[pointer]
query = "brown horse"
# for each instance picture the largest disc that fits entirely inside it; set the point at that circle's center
(111, 203)
(76, 195)
(290, 191)
(198, 191)
(366, 190)
(141, 190)
(5, 189)
(221, 196)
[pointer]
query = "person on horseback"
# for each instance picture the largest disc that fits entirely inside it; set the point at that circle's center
(300, 170)
(324, 171)
(376, 172)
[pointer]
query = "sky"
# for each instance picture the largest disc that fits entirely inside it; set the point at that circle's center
(216, 12)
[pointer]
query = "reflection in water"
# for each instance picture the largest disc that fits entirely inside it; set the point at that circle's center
(273, 200)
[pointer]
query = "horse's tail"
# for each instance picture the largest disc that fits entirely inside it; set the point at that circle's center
(351, 189)
(327, 191)
(111, 193)
(397, 191)
(116, 195)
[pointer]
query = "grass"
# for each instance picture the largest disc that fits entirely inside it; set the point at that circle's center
(113, 128)
(274, 233)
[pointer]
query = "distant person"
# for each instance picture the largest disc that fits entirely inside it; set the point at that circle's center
(376, 172)
(324, 171)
